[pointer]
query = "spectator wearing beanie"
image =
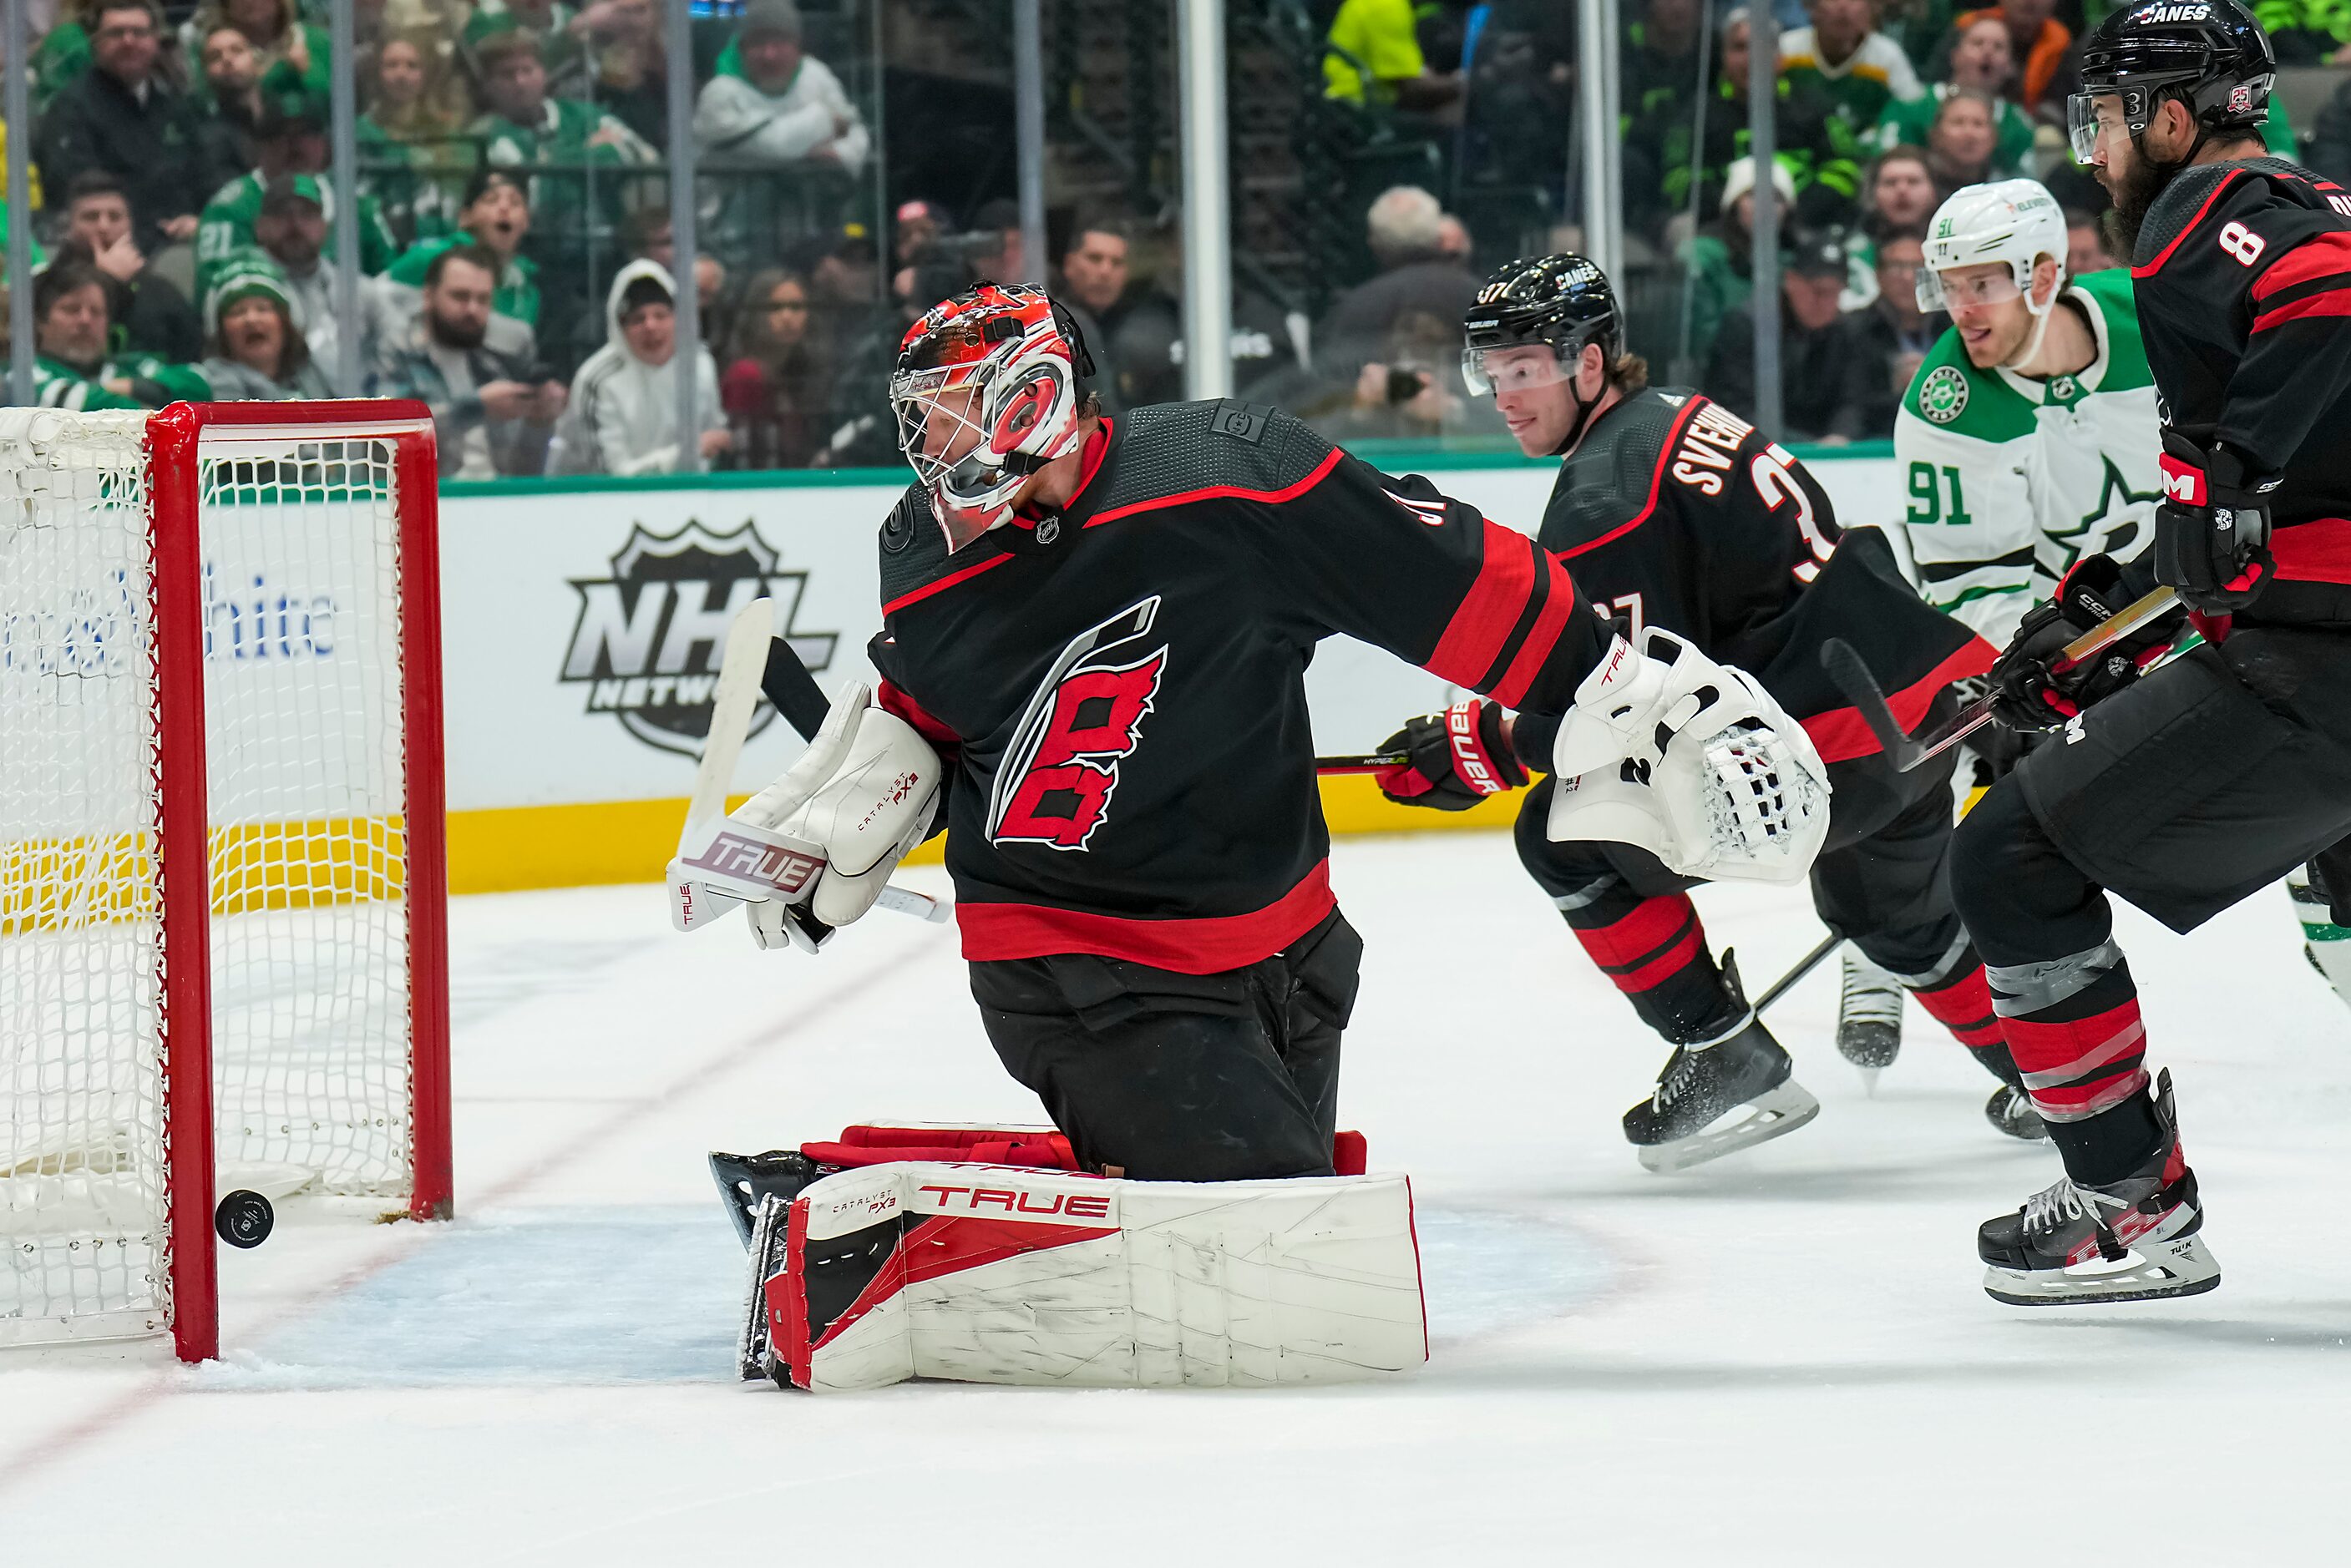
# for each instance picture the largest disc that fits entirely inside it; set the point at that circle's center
(1721, 260)
(772, 104)
(256, 352)
(624, 414)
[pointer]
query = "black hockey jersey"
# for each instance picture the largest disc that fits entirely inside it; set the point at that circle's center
(1120, 690)
(1678, 513)
(2243, 279)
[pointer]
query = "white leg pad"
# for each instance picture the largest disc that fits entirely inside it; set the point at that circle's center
(996, 1274)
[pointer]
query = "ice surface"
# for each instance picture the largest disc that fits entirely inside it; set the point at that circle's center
(1784, 1357)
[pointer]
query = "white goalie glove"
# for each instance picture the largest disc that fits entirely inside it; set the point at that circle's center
(1692, 760)
(862, 794)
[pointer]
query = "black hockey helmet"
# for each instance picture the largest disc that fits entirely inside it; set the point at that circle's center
(2210, 55)
(1561, 300)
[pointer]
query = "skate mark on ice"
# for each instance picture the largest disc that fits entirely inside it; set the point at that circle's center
(565, 1297)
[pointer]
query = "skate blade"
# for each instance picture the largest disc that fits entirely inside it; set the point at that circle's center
(2180, 1267)
(753, 1354)
(1773, 1113)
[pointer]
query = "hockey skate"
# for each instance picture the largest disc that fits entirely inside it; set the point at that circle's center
(1869, 1019)
(2326, 945)
(2129, 1241)
(746, 1179)
(2010, 1111)
(1717, 1099)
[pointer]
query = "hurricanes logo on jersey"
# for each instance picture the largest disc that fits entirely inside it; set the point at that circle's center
(1944, 398)
(1085, 717)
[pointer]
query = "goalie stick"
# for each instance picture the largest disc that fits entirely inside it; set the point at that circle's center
(1861, 688)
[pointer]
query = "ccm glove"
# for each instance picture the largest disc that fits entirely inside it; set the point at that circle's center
(1458, 757)
(2212, 530)
(2029, 692)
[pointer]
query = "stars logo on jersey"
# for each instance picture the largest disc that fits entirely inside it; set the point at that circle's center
(1058, 777)
(2110, 527)
(1944, 396)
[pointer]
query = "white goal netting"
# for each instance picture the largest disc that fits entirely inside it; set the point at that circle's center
(298, 596)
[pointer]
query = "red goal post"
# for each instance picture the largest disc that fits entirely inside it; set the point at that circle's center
(222, 818)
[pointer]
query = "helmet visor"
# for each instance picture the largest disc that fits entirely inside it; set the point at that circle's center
(1992, 283)
(1512, 367)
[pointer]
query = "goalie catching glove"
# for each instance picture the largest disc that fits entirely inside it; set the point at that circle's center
(1457, 758)
(1693, 761)
(864, 794)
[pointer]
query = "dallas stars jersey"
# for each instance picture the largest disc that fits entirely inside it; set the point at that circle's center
(2009, 481)
(1876, 74)
(1118, 689)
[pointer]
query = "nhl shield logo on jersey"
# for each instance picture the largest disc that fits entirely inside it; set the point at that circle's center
(647, 641)
(1944, 397)
(1055, 784)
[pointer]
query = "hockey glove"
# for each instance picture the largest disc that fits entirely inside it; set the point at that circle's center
(863, 792)
(1458, 758)
(2212, 530)
(2029, 693)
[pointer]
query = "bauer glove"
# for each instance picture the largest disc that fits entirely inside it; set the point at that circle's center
(1457, 758)
(2030, 693)
(2212, 530)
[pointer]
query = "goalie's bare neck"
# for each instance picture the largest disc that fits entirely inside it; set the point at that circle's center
(1055, 485)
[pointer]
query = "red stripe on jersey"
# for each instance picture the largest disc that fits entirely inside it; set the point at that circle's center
(1535, 651)
(2334, 302)
(2318, 551)
(2151, 268)
(1483, 621)
(1842, 734)
(944, 584)
(892, 698)
(1656, 483)
(2321, 256)
(1204, 945)
(1222, 492)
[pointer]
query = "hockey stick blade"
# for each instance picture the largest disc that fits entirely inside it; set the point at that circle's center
(732, 703)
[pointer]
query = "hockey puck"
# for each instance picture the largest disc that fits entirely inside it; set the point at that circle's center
(243, 1218)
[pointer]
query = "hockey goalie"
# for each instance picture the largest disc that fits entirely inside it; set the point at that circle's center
(1094, 635)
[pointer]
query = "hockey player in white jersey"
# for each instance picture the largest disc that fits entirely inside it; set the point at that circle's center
(2027, 441)
(2028, 438)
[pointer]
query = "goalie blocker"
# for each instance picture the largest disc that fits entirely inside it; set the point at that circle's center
(995, 1273)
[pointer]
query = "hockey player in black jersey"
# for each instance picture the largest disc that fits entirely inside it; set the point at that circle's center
(1094, 637)
(1678, 513)
(2182, 786)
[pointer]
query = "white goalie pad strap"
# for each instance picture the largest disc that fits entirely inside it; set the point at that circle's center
(996, 1274)
(1691, 760)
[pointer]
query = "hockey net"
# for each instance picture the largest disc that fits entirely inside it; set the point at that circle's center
(221, 957)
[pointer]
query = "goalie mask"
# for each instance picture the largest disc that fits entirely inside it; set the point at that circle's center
(986, 393)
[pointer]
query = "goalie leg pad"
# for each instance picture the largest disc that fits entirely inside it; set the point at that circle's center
(989, 1274)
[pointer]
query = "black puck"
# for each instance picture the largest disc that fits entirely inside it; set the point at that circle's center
(243, 1218)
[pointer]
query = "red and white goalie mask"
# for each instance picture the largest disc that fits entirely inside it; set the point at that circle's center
(986, 393)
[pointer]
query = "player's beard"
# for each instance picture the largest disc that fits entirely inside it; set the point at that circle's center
(2134, 192)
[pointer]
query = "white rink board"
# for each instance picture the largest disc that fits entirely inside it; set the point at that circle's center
(523, 573)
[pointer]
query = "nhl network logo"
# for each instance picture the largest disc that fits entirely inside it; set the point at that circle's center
(649, 637)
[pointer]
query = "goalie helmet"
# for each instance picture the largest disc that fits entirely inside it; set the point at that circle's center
(2210, 55)
(987, 392)
(2012, 220)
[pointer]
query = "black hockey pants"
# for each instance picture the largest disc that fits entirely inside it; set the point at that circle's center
(1182, 1078)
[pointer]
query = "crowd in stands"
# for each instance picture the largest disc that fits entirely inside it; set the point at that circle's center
(511, 214)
